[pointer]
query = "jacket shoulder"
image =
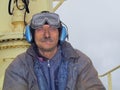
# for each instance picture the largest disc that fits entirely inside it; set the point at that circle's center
(82, 57)
(83, 61)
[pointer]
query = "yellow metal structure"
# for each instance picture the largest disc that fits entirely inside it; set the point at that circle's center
(12, 41)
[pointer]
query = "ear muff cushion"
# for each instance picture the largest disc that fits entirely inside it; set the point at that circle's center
(28, 35)
(63, 34)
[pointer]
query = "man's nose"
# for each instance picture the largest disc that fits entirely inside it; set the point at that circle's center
(47, 33)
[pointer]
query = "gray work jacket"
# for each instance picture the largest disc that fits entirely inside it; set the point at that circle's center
(81, 76)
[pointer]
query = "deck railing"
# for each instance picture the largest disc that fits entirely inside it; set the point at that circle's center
(109, 76)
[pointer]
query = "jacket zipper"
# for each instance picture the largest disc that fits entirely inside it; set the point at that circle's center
(50, 88)
(48, 63)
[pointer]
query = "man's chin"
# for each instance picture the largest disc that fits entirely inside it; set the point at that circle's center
(48, 49)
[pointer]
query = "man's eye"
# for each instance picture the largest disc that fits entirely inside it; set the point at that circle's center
(52, 29)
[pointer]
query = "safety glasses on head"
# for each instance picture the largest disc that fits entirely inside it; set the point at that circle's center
(40, 19)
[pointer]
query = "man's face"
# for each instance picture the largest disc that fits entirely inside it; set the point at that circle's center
(46, 38)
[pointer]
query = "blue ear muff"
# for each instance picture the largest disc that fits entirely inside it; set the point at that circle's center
(28, 35)
(64, 34)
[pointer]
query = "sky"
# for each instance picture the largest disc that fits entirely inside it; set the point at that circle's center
(94, 28)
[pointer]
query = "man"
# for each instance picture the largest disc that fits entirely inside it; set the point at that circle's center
(50, 63)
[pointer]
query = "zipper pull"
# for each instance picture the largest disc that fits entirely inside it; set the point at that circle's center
(48, 63)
